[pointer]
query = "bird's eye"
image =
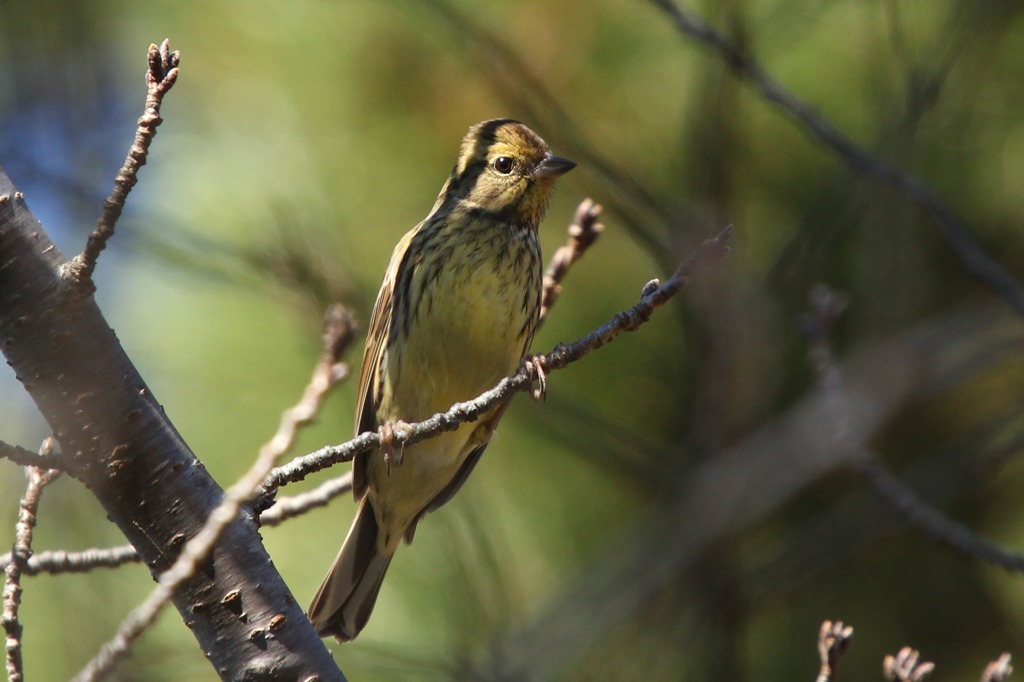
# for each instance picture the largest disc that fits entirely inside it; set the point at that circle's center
(503, 165)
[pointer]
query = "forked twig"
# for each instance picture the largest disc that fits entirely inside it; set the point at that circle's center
(20, 553)
(295, 505)
(160, 78)
(833, 641)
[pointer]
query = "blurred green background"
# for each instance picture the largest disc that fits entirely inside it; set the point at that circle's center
(652, 520)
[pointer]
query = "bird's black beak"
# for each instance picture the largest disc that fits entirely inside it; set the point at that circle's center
(553, 166)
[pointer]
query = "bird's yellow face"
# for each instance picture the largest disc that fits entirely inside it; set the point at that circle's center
(504, 168)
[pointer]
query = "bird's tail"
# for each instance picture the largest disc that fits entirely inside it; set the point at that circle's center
(345, 599)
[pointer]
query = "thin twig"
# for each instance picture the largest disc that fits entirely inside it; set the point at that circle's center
(295, 505)
(20, 553)
(952, 228)
(653, 296)
(27, 458)
(327, 373)
(61, 561)
(160, 77)
(833, 641)
(937, 525)
(583, 232)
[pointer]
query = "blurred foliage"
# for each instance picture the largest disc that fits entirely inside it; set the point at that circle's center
(304, 138)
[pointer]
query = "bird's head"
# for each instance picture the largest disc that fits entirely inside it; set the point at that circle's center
(506, 169)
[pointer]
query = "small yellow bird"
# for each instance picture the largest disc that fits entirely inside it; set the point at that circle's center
(455, 314)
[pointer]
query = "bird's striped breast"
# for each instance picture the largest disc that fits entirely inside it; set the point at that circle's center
(467, 309)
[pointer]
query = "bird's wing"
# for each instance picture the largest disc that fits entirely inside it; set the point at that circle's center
(368, 394)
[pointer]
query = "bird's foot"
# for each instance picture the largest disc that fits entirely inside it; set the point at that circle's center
(388, 431)
(535, 365)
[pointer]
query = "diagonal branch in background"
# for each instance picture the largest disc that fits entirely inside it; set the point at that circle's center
(329, 371)
(20, 553)
(653, 296)
(160, 78)
(826, 308)
(952, 228)
(855, 520)
(937, 525)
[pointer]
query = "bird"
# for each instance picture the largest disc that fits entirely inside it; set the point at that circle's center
(455, 314)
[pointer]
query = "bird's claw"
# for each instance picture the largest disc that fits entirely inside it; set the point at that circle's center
(535, 366)
(388, 431)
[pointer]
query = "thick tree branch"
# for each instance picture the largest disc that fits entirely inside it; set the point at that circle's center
(327, 373)
(116, 438)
